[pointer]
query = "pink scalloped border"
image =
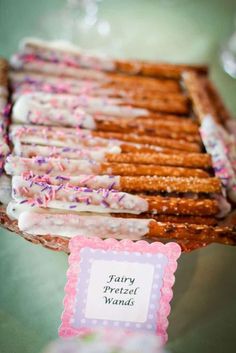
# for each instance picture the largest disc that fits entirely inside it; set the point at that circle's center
(171, 250)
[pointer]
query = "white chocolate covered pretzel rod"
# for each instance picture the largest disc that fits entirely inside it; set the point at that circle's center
(119, 228)
(22, 81)
(129, 164)
(82, 199)
(56, 136)
(73, 56)
(126, 183)
(103, 154)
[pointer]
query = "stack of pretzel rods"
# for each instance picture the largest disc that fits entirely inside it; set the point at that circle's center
(114, 149)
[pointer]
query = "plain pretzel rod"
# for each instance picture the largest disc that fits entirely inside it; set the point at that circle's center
(46, 51)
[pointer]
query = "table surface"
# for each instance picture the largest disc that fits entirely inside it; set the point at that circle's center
(32, 278)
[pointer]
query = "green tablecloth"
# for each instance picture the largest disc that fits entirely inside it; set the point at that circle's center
(32, 278)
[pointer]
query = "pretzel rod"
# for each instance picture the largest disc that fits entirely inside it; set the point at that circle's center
(211, 136)
(54, 166)
(67, 197)
(33, 64)
(53, 84)
(76, 198)
(48, 51)
(202, 104)
(56, 136)
(122, 183)
(130, 184)
(113, 155)
(80, 152)
(190, 160)
(32, 135)
(109, 227)
(15, 209)
(148, 98)
(102, 154)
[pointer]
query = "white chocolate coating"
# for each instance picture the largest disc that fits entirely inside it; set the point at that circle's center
(71, 225)
(19, 63)
(52, 166)
(53, 136)
(65, 51)
(88, 181)
(28, 110)
(96, 154)
(40, 103)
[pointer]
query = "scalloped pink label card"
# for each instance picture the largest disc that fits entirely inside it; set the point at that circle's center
(118, 285)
